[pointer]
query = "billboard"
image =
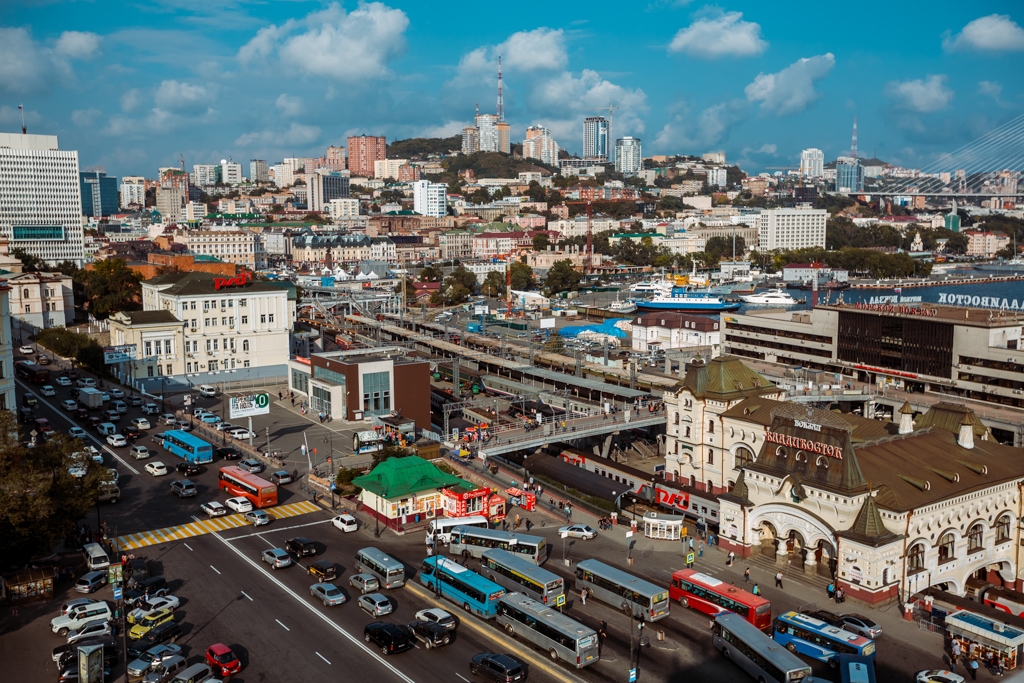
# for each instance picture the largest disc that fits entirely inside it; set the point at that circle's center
(119, 354)
(247, 406)
(547, 323)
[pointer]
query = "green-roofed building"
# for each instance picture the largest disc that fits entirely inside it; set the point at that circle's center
(404, 491)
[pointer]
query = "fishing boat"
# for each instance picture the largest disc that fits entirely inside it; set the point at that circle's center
(627, 306)
(682, 299)
(775, 297)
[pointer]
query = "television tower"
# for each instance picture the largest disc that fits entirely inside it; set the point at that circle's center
(853, 143)
(501, 100)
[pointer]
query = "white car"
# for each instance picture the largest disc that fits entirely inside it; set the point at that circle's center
(76, 432)
(938, 676)
(47, 390)
(28, 350)
(70, 406)
(438, 616)
(239, 504)
(117, 441)
(116, 393)
(241, 433)
(578, 531)
(345, 522)
(152, 605)
(220, 426)
(151, 409)
(168, 418)
(85, 382)
(141, 423)
(157, 469)
(63, 381)
(213, 509)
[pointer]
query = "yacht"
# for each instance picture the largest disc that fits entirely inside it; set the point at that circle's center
(776, 297)
(649, 287)
(681, 299)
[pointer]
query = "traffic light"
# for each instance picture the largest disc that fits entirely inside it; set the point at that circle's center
(329, 460)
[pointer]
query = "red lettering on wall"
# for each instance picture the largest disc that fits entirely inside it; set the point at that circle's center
(236, 281)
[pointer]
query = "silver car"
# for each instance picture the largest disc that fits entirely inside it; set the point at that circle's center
(277, 558)
(154, 655)
(328, 593)
(375, 604)
(91, 629)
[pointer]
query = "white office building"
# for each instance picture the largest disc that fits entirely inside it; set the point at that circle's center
(628, 156)
(595, 138)
(40, 198)
(799, 228)
(231, 172)
(133, 191)
(812, 163)
(717, 177)
(259, 171)
(343, 208)
(430, 199)
(206, 175)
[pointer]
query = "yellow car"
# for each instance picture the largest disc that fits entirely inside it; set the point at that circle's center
(149, 621)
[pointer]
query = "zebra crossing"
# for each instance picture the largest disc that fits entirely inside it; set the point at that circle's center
(208, 526)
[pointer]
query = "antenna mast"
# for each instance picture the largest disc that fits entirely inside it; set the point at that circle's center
(501, 99)
(21, 108)
(181, 161)
(853, 143)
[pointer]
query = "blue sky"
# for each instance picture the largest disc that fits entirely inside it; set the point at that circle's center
(132, 85)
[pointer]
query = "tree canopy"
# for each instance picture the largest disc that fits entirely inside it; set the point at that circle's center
(523, 278)
(494, 284)
(562, 277)
(111, 286)
(423, 147)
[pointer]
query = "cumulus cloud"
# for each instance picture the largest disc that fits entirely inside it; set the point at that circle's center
(791, 90)
(297, 134)
(990, 88)
(289, 105)
(561, 101)
(724, 35)
(131, 99)
(77, 44)
(924, 96)
(444, 130)
(177, 95)
(995, 33)
(684, 132)
(29, 66)
(333, 43)
(542, 49)
(85, 117)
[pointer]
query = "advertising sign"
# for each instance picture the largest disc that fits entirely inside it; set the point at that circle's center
(90, 663)
(119, 354)
(247, 406)
(547, 323)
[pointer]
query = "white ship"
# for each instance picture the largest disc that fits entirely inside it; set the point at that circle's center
(775, 297)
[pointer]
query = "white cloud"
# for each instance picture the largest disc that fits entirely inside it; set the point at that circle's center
(925, 96)
(177, 95)
(77, 44)
(561, 102)
(990, 88)
(791, 90)
(85, 117)
(297, 134)
(333, 43)
(996, 32)
(11, 116)
(289, 105)
(685, 134)
(444, 130)
(131, 99)
(725, 35)
(542, 49)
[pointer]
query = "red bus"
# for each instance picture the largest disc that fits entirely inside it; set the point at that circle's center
(30, 372)
(710, 595)
(258, 491)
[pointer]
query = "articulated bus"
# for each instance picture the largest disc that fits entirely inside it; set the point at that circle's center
(622, 591)
(464, 587)
(562, 637)
(517, 574)
(260, 492)
(754, 652)
(472, 542)
(710, 595)
(30, 372)
(815, 638)
(188, 447)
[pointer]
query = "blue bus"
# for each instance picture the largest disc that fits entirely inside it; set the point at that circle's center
(188, 447)
(451, 580)
(815, 638)
(856, 669)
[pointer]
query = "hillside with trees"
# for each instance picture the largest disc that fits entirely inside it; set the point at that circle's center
(423, 147)
(495, 165)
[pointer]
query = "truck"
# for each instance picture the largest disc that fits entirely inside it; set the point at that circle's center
(473, 327)
(90, 397)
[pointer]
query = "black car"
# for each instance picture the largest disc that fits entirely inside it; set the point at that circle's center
(26, 415)
(390, 638)
(69, 653)
(323, 570)
(830, 618)
(497, 667)
(188, 468)
(301, 546)
(82, 414)
(167, 632)
(30, 400)
(130, 432)
(75, 391)
(430, 633)
(228, 453)
(154, 585)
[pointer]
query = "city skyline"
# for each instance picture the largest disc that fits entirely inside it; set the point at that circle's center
(133, 90)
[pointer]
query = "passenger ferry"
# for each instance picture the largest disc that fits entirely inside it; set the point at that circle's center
(681, 299)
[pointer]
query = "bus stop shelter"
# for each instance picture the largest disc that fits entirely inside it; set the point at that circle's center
(994, 637)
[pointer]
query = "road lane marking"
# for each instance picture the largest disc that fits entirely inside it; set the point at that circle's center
(323, 658)
(247, 595)
(462, 677)
(188, 546)
(284, 528)
(285, 627)
(302, 601)
(214, 569)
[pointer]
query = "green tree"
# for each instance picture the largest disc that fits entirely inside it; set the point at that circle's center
(110, 287)
(388, 452)
(541, 241)
(410, 289)
(722, 247)
(450, 295)
(40, 501)
(561, 277)
(463, 277)
(957, 243)
(523, 278)
(431, 273)
(29, 263)
(494, 284)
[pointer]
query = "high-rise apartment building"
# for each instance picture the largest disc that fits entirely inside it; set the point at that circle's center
(133, 191)
(849, 175)
(231, 172)
(99, 194)
(718, 177)
(388, 168)
(259, 171)
(325, 186)
(206, 175)
(595, 138)
(488, 133)
(628, 156)
(504, 132)
(335, 159)
(470, 140)
(788, 229)
(41, 200)
(430, 199)
(343, 208)
(170, 200)
(540, 145)
(812, 163)
(363, 150)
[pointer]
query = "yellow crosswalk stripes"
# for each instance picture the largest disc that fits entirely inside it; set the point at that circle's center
(208, 526)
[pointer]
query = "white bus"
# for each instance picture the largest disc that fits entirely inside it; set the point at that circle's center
(441, 527)
(472, 542)
(754, 652)
(562, 637)
(519, 575)
(622, 590)
(389, 571)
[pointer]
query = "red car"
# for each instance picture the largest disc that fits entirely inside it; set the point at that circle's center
(222, 659)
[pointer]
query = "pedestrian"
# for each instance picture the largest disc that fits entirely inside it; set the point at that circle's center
(295, 474)
(691, 542)
(280, 396)
(293, 401)
(729, 558)
(583, 596)
(972, 666)
(700, 550)
(602, 634)
(954, 648)
(831, 591)
(540, 491)
(778, 579)
(840, 596)
(952, 663)
(529, 525)
(746, 575)
(756, 590)
(517, 521)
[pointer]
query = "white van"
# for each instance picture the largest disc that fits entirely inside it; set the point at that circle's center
(95, 556)
(207, 391)
(442, 527)
(79, 616)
